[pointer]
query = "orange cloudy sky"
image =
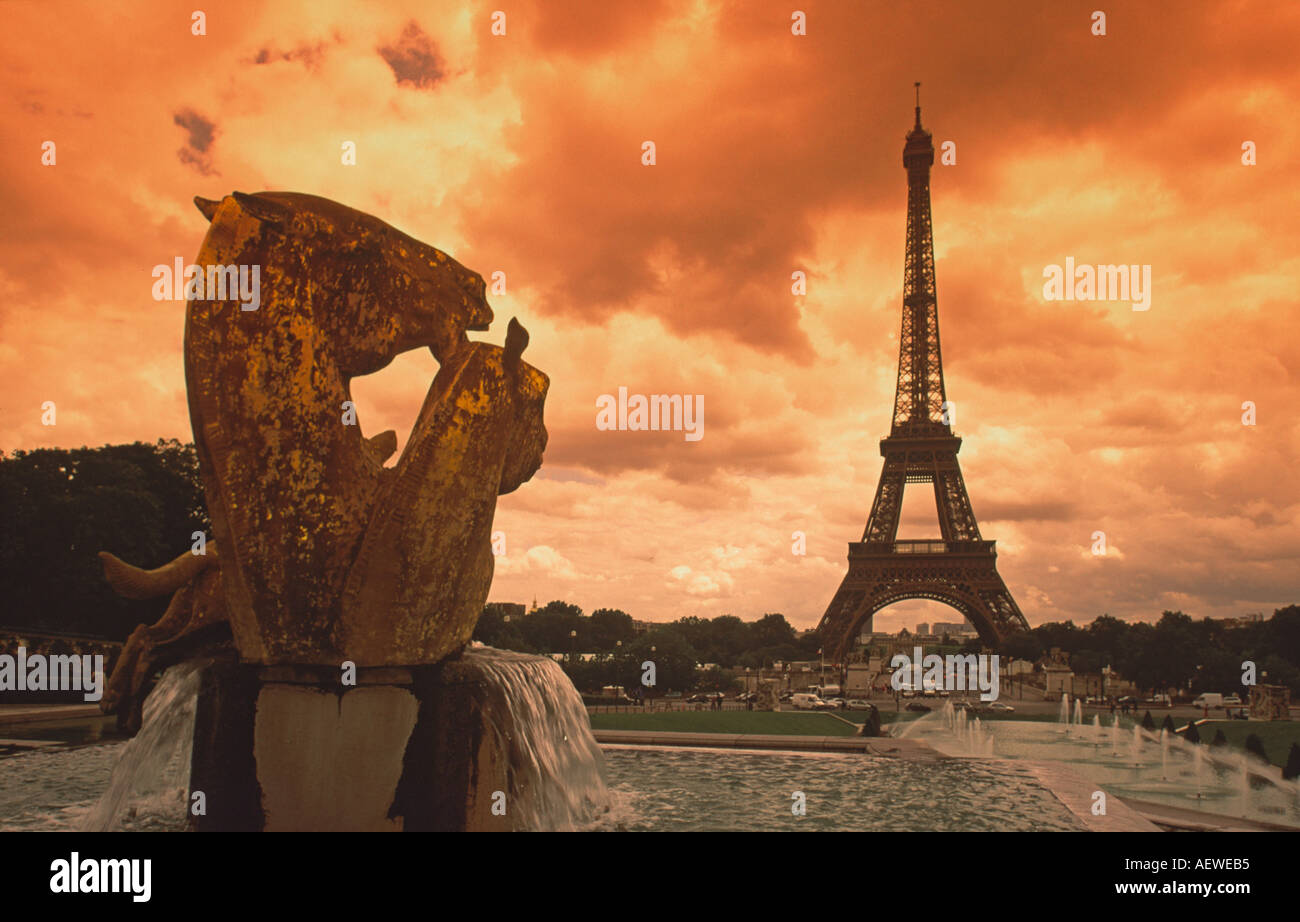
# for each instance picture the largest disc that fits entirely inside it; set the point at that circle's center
(776, 153)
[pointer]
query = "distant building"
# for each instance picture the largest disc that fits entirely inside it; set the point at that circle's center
(961, 628)
(924, 628)
(1244, 621)
(1059, 679)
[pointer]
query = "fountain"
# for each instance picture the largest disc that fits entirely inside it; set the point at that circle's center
(1221, 783)
(1078, 711)
(325, 677)
(1065, 712)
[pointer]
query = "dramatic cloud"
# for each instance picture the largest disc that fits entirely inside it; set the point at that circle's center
(413, 58)
(196, 152)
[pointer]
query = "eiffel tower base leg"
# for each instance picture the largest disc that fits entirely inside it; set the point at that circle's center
(964, 577)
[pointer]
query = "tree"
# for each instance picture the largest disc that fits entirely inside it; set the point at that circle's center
(771, 630)
(1284, 634)
(1292, 768)
(609, 626)
(1023, 645)
(61, 506)
(1255, 746)
(492, 629)
(673, 657)
(549, 629)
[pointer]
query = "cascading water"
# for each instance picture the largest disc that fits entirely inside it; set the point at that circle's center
(150, 782)
(1065, 710)
(1078, 711)
(1114, 737)
(556, 768)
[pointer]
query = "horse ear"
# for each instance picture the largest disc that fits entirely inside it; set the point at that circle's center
(207, 206)
(516, 342)
(263, 209)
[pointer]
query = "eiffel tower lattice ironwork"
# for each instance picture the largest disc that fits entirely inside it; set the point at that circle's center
(960, 569)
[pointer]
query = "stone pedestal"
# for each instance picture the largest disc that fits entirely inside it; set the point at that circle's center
(1270, 702)
(288, 748)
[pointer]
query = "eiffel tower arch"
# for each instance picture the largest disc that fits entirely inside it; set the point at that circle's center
(959, 569)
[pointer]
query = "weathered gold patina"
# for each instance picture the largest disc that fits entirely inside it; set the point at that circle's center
(326, 555)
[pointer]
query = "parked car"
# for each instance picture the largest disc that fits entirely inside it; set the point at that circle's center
(918, 706)
(1208, 700)
(786, 696)
(838, 703)
(699, 698)
(1001, 708)
(1233, 700)
(961, 704)
(857, 704)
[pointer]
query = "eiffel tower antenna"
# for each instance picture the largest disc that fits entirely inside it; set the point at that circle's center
(960, 569)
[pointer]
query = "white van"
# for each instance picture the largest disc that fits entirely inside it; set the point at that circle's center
(1208, 700)
(807, 702)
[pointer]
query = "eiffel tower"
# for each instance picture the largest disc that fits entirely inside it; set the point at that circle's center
(960, 569)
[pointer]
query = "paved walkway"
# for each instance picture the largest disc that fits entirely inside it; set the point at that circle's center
(913, 750)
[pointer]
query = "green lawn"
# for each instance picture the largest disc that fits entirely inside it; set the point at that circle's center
(1276, 735)
(776, 723)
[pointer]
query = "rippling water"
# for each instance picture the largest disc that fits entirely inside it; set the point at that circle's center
(667, 789)
(54, 790)
(701, 789)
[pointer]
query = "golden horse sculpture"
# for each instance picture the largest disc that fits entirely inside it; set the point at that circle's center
(325, 555)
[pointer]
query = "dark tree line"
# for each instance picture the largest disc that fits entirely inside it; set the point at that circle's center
(1176, 650)
(560, 627)
(58, 507)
